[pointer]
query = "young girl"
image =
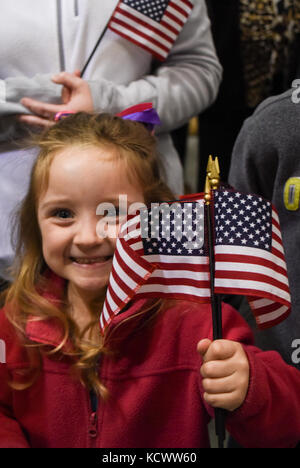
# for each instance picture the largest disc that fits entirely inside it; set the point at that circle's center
(154, 378)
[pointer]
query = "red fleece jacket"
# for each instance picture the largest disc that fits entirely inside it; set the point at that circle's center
(155, 389)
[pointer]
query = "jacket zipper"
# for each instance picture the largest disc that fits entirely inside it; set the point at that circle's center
(76, 8)
(93, 432)
(93, 426)
(60, 36)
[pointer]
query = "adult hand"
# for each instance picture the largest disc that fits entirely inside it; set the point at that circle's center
(225, 373)
(76, 96)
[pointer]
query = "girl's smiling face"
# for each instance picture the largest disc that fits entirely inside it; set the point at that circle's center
(80, 178)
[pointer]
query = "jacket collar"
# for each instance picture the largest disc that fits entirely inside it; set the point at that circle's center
(49, 332)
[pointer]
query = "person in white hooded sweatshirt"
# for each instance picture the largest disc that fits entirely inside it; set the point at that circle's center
(41, 38)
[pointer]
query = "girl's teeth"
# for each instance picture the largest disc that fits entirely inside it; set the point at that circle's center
(90, 261)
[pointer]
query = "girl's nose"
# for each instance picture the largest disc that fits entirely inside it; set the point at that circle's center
(86, 234)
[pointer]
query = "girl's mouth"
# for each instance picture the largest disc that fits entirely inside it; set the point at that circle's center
(90, 260)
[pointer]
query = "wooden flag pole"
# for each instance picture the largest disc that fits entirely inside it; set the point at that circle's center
(212, 183)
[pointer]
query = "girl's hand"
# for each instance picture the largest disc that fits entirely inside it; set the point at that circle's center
(76, 96)
(225, 373)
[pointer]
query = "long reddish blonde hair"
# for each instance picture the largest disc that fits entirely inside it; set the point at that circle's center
(137, 147)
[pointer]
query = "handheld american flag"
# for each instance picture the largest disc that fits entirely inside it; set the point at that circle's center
(162, 252)
(151, 24)
(249, 255)
(159, 253)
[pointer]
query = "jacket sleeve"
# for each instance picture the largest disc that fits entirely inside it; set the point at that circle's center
(269, 416)
(11, 433)
(12, 90)
(182, 86)
(39, 87)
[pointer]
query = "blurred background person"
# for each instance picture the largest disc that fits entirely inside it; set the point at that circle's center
(265, 161)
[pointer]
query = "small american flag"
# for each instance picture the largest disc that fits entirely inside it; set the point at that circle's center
(151, 24)
(249, 255)
(159, 253)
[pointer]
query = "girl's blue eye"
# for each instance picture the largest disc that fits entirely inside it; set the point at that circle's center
(63, 213)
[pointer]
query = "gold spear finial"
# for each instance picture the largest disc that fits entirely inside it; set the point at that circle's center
(212, 178)
(215, 174)
(207, 193)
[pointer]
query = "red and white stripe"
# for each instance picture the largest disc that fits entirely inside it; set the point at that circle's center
(258, 274)
(133, 273)
(129, 272)
(156, 38)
